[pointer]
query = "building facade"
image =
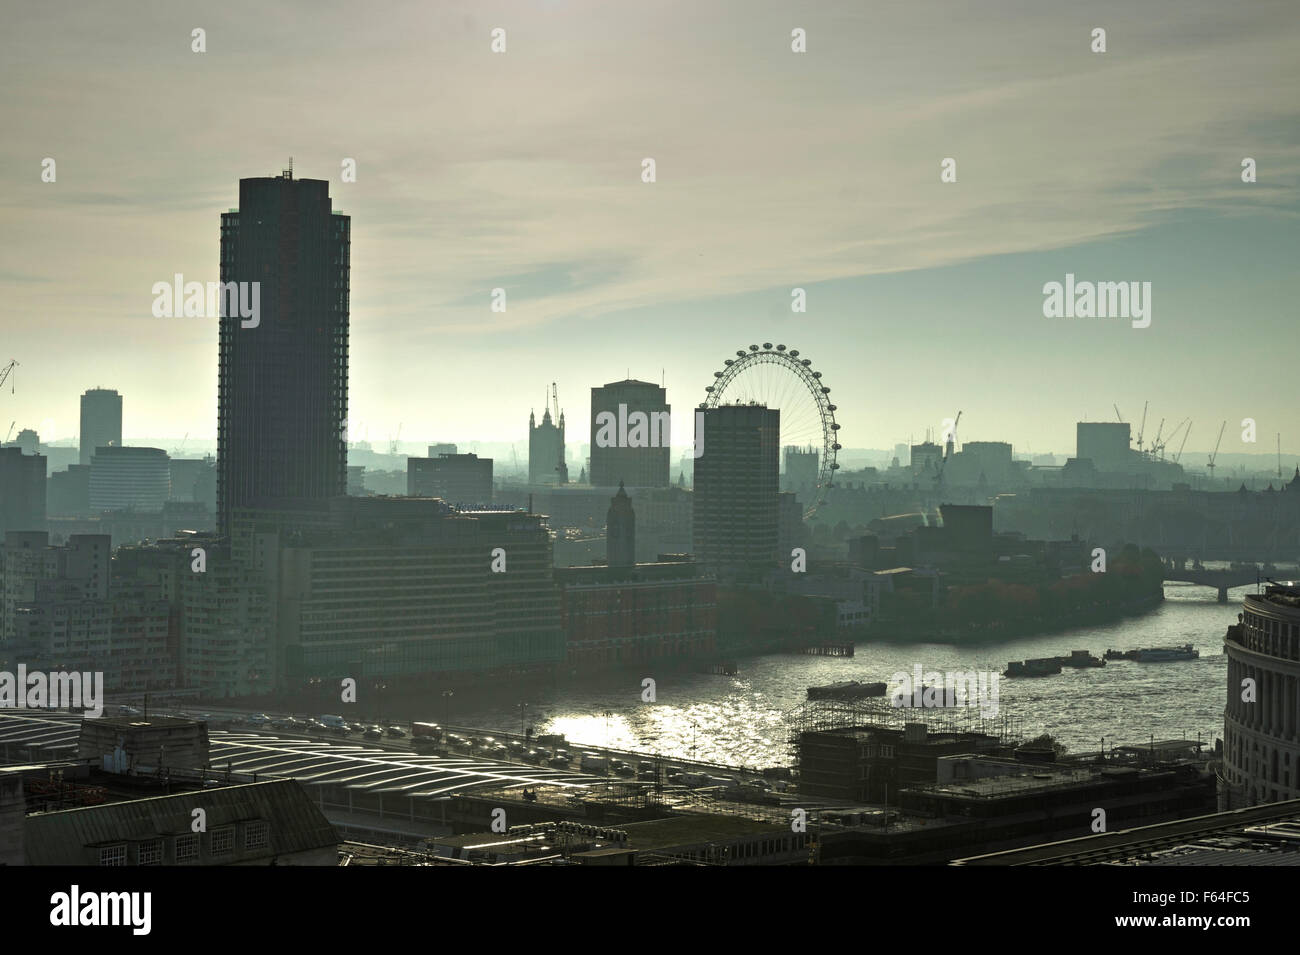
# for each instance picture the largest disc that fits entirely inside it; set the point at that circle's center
(63, 610)
(456, 478)
(135, 478)
(283, 374)
(389, 588)
(1261, 731)
(630, 435)
(22, 491)
(623, 615)
(736, 512)
(101, 422)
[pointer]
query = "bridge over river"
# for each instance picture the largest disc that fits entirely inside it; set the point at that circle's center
(1224, 578)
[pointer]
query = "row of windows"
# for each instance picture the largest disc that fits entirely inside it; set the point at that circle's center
(185, 848)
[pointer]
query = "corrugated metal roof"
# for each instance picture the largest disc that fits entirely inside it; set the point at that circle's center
(322, 762)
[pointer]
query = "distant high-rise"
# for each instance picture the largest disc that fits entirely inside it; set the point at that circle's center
(620, 531)
(22, 491)
(736, 519)
(630, 434)
(101, 422)
(136, 478)
(456, 478)
(1105, 444)
(283, 374)
(926, 458)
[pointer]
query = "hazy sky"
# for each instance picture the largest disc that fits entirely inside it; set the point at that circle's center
(775, 169)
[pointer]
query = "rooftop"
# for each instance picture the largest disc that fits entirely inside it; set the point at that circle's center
(324, 761)
(59, 838)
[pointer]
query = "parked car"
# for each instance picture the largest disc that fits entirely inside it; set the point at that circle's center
(373, 733)
(258, 719)
(396, 733)
(128, 711)
(559, 762)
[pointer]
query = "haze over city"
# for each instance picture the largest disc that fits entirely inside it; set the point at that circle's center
(478, 171)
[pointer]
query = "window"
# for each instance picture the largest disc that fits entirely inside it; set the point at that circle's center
(256, 835)
(112, 855)
(223, 841)
(149, 853)
(187, 849)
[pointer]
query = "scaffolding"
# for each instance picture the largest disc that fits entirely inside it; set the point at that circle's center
(821, 716)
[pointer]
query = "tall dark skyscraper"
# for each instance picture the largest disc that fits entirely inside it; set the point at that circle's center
(283, 390)
(736, 492)
(101, 422)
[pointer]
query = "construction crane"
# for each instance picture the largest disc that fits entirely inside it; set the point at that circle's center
(1158, 446)
(1179, 456)
(1155, 442)
(1118, 417)
(176, 452)
(392, 445)
(561, 468)
(1211, 465)
(1142, 429)
(5, 372)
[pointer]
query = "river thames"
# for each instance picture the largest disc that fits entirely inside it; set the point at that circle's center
(745, 719)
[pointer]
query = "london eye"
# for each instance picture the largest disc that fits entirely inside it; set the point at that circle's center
(778, 377)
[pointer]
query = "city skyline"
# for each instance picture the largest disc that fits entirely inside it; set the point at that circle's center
(532, 432)
(609, 276)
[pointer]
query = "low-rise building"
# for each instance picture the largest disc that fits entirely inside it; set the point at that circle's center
(266, 823)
